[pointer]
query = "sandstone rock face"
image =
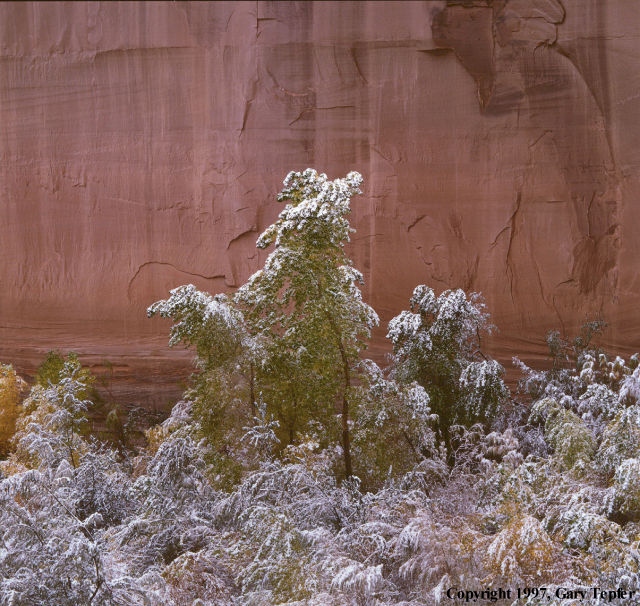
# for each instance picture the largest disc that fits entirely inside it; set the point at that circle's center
(142, 145)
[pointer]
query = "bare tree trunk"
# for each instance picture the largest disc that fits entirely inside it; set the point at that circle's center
(346, 434)
(346, 370)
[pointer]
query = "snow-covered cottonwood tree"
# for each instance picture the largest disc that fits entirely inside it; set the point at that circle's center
(295, 330)
(307, 303)
(436, 343)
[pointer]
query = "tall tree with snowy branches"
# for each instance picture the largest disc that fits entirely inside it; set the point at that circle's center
(297, 327)
(307, 304)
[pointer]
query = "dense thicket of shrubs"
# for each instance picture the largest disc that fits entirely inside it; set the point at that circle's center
(296, 471)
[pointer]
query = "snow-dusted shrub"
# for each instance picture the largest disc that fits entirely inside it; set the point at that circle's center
(598, 401)
(435, 554)
(49, 427)
(202, 578)
(394, 433)
(436, 344)
(571, 440)
(620, 440)
(630, 387)
(523, 553)
(55, 532)
(175, 510)
(282, 518)
(624, 502)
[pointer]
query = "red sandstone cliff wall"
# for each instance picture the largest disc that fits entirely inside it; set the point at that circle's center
(142, 145)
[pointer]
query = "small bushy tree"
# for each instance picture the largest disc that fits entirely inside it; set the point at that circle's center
(224, 390)
(51, 422)
(394, 435)
(437, 344)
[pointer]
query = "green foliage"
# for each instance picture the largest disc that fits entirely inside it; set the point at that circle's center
(437, 344)
(210, 323)
(571, 440)
(394, 432)
(50, 369)
(620, 440)
(523, 553)
(56, 367)
(307, 307)
(625, 497)
(223, 392)
(116, 425)
(52, 421)
(292, 335)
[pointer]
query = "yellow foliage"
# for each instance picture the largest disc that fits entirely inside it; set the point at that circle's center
(11, 389)
(155, 436)
(523, 552)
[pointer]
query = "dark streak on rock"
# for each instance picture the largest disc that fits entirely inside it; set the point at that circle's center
(166, 264)
(240, 237)
(354, 56)
(415, 222)
(313, 109)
